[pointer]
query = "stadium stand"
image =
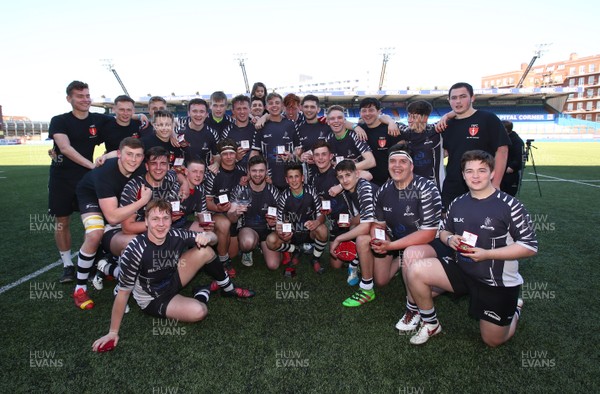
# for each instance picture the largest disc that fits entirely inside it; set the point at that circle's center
(534, 111)
(25, 130)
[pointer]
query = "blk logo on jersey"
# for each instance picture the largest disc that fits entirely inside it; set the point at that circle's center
(93, 130)
(473, 130)
(382, 142)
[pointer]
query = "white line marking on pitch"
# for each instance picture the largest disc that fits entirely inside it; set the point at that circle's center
(566, 180)
(30, 276)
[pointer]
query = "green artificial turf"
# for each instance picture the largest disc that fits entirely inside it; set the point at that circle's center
(295, 336)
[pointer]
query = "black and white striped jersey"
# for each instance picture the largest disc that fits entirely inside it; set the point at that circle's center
(417, 207)
(196, 202)
(361, 201)
(132, 192)
(220, 126)
(298, 209)
(223, 182)
(322, 182)
(498, 220)
(202, 145)
(348, 146)
(147, 268)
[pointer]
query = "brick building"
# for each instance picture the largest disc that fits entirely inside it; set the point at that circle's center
(574, 72)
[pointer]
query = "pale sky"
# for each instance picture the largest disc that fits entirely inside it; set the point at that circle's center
(184, 46)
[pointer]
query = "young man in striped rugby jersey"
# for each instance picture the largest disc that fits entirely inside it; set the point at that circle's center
(299, 221)
(359, 195)
(483, 234)
(157, 265)
(407, 213)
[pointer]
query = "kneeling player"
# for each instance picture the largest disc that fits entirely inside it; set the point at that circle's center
(98, 194)
(359, 195)
(219, 198)
(195, 203)
(163, 185)
(299, 220)
(489, 230)
(253, 219)
(326, 185)
(407, 213)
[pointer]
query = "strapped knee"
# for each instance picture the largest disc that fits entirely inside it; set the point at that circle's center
(93, 223)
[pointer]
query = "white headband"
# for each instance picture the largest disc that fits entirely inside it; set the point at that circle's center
(228, 148)
(401, 153)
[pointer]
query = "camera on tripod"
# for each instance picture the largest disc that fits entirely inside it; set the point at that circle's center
(527, 154)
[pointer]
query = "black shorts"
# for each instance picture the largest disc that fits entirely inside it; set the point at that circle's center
(443, 252)
(494, 304)
(107, 238)
(301, 237)
(158, 306)
(87, 200)
(88, 206)
(62, 196)
(335, 230)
